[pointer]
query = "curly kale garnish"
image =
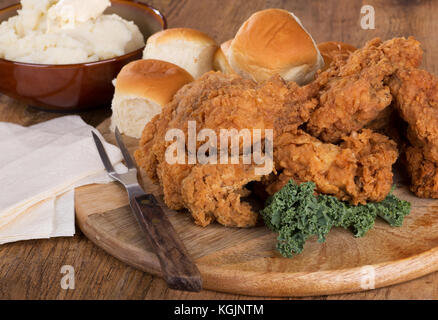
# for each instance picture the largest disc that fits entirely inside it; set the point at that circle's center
(297, 214)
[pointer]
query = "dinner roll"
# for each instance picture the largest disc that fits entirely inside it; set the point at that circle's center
(190, 49)
(143, 87)
(331, 49)
(274, 41)
(220, 61)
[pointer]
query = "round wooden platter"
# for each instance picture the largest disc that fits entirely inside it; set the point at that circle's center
(245, 261)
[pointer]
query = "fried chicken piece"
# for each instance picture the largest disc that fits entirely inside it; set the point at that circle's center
(217, 101)
(353, 91)
(389, 123)
(416, 96)
(358, 170)
(214, 192)
(423, 173)
(376, 154)
(332, 50)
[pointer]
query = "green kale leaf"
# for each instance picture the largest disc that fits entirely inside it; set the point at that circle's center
(297, 214)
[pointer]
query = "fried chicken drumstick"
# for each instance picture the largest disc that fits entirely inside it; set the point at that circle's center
(416, 98)
(353, 91)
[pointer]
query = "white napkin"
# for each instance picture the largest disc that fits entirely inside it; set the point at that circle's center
(39, 168)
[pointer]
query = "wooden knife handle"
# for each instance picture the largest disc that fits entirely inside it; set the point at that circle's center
(179, 270)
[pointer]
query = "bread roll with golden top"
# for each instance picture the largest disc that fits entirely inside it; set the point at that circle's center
(190, 49)
(274, 41)
(220, 60)
(329, 50)
(143, 87)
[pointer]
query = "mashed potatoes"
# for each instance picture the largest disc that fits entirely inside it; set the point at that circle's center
(66, 32)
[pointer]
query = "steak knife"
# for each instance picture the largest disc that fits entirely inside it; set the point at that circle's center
(178, 268)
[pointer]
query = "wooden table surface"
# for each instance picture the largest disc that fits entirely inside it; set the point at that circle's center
(31, 269)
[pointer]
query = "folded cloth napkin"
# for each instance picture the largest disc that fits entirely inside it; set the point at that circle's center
(39, 168)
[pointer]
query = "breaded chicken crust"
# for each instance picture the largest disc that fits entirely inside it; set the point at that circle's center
(217, 101)
(358, 170)
(353, 91)
(416, 99)
(319, 133)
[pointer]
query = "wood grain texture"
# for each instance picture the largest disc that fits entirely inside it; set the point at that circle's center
(31, 269)
(177, 266)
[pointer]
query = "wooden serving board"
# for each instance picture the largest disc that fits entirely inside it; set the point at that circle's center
(245, 261)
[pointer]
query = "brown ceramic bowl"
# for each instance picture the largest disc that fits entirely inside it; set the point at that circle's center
(75, 87)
